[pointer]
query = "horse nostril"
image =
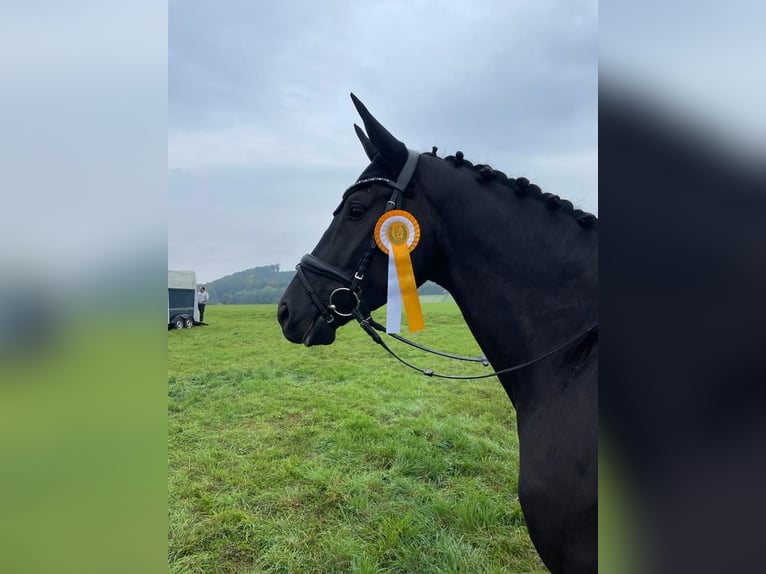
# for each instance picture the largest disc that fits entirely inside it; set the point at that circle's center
(282, 313)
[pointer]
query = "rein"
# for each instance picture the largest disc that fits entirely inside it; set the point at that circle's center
(355, 296)
(370, 327)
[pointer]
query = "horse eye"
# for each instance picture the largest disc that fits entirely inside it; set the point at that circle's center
(356, 210)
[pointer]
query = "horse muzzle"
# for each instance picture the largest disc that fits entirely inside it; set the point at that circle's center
(312, 331)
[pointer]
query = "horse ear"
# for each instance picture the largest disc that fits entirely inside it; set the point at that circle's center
(369, 149)
(388, 146)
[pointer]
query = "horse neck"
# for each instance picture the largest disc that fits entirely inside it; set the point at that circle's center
(524, 277)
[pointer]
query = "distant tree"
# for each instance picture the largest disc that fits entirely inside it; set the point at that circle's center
(263, 284)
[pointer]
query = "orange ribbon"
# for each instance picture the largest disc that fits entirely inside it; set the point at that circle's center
(408, 287)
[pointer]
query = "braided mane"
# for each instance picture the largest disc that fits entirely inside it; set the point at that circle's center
(521, 187)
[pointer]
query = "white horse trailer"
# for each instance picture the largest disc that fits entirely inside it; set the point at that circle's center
(182, 299)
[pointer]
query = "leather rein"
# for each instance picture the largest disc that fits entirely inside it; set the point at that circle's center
(356, 306)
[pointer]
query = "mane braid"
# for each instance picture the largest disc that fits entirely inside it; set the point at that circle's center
(522, 187)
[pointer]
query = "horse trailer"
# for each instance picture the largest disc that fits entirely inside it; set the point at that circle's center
(182, 299)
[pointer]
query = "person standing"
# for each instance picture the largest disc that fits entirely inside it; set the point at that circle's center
(202, 298)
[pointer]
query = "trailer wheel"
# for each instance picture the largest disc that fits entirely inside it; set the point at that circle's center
(188, 323)
(178, 323)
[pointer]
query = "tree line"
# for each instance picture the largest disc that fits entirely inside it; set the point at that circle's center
(266, 284)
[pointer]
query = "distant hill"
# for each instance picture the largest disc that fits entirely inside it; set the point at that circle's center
(266, 284)
(257, 285)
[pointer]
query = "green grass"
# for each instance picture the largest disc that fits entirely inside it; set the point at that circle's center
(336, 459)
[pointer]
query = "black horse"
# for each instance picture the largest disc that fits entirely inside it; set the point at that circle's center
(523, 268)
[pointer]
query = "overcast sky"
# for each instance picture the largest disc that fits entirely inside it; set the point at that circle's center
(260, 125)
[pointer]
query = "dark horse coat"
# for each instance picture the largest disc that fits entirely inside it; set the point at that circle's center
(523, 268)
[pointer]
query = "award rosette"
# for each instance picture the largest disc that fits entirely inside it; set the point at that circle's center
(397, 233)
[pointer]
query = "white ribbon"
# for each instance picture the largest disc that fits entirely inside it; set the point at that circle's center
(394, 308)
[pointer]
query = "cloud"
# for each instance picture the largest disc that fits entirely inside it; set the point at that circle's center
(249, 145)
(259, 117)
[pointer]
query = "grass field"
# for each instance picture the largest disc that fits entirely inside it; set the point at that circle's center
(337, 459)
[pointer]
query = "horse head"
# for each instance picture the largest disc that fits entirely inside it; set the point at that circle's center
(346, 273)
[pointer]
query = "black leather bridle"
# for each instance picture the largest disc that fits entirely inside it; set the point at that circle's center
(356, 306)
(351, 289)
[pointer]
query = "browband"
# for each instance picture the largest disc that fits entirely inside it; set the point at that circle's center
(401, 183)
